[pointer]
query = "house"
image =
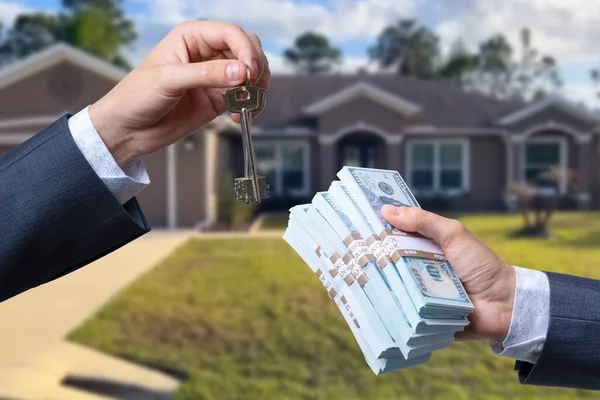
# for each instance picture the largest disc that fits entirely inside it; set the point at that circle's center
(461, 148)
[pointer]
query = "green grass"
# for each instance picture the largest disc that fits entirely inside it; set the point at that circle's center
(248, 320)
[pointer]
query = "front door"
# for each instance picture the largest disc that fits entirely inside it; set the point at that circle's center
(358, 154)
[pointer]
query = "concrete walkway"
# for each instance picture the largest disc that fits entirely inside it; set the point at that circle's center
(34, 357)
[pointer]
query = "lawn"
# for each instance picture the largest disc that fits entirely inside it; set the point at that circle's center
(248, 320)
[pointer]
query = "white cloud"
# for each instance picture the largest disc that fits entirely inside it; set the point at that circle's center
(566, 29)
(585, 93)
(282, 20)
(275, 21)
(10, 10)
(348, 64)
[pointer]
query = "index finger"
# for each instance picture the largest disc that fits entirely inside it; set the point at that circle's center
(212, 36)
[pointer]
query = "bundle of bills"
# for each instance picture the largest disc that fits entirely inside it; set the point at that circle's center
(397, 292)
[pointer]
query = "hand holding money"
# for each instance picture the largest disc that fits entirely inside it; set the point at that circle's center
(489, 281)
(396, 289)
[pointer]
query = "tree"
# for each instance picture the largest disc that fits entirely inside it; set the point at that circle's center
(97, 26)
(460, 66)
(412, 48)
(494, 71)
(534, 74)
(312, 53)
(538, 201)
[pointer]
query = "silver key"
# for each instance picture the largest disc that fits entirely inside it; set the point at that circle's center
(252, 188)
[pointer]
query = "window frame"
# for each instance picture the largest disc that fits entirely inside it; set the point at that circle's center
(437, 167)
(277, 186)
(562, 151)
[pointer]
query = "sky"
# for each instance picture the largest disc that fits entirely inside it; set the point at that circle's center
(566, 29)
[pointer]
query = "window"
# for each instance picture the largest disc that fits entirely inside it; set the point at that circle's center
(285, 165)
(437, 166)
(541, 156)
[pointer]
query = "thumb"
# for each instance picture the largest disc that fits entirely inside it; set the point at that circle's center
(414, 219)
(178, 78)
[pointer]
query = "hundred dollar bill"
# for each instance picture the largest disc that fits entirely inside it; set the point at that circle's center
(419, 260)
(420, 322)
(395, 323)
(382, 344)
(378, 366)
(346, 237)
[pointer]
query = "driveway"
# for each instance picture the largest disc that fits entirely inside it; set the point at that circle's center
(34, 357)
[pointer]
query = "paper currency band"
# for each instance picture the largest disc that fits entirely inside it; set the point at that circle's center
(372, 239)
(331, 292)
(350, 311)
(396, 232)
(378, 250)
(351, 238)
(395, 251)
(361, 277)
(356, 239)
(334, 258)
(339, 263)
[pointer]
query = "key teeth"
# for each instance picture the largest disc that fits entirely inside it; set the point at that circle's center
(241, 190)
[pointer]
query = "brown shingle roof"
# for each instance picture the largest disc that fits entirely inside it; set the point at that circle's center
(443, 105)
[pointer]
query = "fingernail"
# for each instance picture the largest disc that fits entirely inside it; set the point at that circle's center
(233, 71)
(390, 210)
(255, 66)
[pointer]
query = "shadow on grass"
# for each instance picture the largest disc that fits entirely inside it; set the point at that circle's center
(590, 241)
(117, 390)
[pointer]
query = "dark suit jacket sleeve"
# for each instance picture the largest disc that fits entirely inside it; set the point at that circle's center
(571, 354)
(56, 215)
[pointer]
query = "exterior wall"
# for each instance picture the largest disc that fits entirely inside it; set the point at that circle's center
(153, 199)
(364, 110)
(487, 173)
(317, 177)
(191, 183)
(64, 87)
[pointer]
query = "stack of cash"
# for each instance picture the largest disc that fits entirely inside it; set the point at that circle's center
(397, 292)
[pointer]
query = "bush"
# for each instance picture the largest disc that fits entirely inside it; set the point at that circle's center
(232, 212)
(442, 202)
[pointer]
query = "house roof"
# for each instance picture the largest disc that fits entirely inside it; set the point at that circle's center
(54, 55)
(556, 102)
(366, 90)
(292, 96)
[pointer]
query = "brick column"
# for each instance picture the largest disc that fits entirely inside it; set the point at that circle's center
(394, 160)
(584, 150)
(518, 157)
(327, 167)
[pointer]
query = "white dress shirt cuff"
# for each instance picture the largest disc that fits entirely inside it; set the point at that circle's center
(530, 318)
(124, 183)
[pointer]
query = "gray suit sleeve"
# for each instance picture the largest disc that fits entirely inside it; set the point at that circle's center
(571, 354)
(56, 215)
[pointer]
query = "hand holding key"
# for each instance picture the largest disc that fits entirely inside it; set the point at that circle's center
(245, 100)
(178, 88)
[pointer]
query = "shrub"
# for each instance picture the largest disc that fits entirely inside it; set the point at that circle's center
(232, 212)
